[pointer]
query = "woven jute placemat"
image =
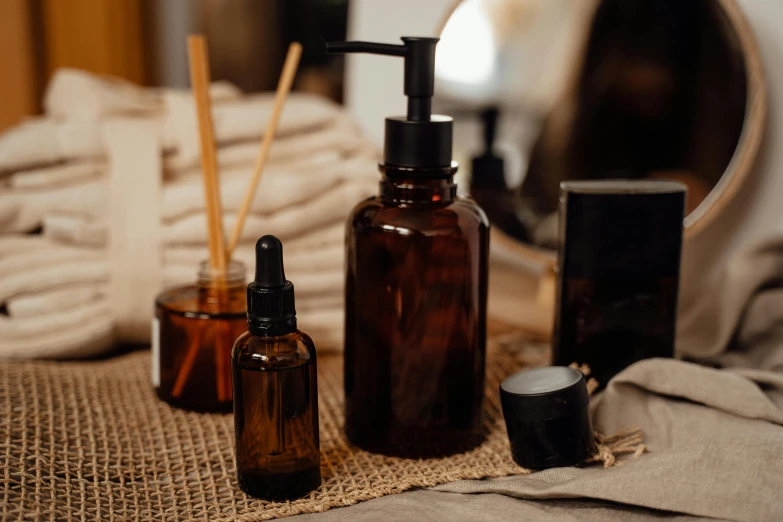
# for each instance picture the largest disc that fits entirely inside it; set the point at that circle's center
(91, 441)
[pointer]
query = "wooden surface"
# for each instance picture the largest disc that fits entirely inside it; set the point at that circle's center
(18, 90)
(101, 36)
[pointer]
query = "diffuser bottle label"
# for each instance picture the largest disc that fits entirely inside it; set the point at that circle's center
(155, 352)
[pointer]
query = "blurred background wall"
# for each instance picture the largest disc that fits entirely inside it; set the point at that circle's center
(143, 41)
(19, 87)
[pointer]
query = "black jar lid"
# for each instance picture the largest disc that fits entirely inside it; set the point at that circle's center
(547, 417)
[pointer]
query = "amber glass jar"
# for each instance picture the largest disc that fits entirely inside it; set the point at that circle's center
(193, 331)
(415, 330)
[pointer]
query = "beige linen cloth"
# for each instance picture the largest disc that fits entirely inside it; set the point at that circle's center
(714, 430)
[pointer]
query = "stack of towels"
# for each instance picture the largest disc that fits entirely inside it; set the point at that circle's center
(102, 207)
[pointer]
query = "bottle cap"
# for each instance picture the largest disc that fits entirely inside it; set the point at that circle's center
(547, 417)
(420, 140)
(271, 308)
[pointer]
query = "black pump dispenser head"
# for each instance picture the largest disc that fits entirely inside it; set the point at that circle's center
(420, 140)
(270, 298)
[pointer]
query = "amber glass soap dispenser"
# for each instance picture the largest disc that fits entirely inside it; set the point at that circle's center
(275, 388)
(416, 285)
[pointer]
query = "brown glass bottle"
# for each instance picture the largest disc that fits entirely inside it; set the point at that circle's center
(193, 331)
(415, 330)
(275, 389)
(276, 415)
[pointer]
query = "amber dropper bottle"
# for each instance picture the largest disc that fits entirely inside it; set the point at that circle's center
(193, 331)
(275, 388)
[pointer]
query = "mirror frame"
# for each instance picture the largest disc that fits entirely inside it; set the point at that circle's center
(742, 160)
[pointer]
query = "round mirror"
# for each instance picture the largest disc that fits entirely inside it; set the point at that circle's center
(545, 91)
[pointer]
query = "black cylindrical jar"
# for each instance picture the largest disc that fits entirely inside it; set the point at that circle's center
(547, 417)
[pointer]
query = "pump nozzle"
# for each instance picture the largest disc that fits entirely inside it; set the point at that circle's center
(366, 47)
(419, 54)
(420, 139)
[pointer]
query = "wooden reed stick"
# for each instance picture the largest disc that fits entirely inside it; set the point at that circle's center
(230, 339)
(187, 365)
(199, 79)
(222, 359)
(283, 88)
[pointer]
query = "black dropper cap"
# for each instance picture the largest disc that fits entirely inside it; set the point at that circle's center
(271, 309)
(488, 169)
(547, 417)
(421, 139)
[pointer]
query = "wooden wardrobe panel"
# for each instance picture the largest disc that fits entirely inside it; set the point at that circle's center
(18, 89)
(101, 36)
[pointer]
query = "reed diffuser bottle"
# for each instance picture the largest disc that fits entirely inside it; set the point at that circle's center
(275, 388)
(416, 286)
(195, 326)
(193, 331)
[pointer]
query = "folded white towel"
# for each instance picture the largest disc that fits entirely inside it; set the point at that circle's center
(94, 335)
(59, 172)
(316, 259)
(23, 210)
(339, 135)
(40, 324)
(283, 187)
(38, 277)
(79, 189)
(62, 297)
(51, 290)
(323, 210)
(76, 230)
(45, 140)
(78, 95)
(67, 218)
(14, 244)
(57, 175)
(240, 119)
(78, 102)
